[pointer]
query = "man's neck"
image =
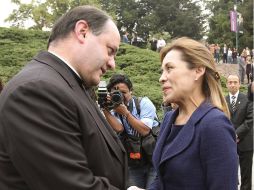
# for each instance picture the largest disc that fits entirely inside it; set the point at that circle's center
(234, 94)
(64, 60)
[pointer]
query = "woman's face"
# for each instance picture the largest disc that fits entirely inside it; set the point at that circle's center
(177, 80)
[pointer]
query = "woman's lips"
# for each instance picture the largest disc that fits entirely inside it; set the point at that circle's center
(165, 89)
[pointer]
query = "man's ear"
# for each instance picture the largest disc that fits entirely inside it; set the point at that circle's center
(81, 30)
(200, 71)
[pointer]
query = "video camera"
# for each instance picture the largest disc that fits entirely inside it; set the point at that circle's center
(116, 97)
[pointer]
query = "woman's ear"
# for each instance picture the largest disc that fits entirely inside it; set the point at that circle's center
(200, 71)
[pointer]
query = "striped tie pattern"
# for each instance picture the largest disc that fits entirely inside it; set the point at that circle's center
(233, 103)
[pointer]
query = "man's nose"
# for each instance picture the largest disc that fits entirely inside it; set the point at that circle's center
(111, 63)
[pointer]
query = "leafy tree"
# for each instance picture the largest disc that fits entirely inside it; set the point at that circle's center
(43, 14)
(147, 17)
(134, 16)
(219, 22)
(142, 17)
(180, 18)
(246, 39)
(18, 46)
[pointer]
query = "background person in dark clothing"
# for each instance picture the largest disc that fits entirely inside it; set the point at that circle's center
(241, 111)
(153, 43)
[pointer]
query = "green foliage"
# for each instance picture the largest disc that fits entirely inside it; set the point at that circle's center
(142, 18)
(18, 46)
(43, 14)
(143, 68)
(220, 23)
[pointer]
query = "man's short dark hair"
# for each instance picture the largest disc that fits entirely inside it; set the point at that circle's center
(119, 78)
(94, 17)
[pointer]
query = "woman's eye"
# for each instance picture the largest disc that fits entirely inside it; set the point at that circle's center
(169, 68)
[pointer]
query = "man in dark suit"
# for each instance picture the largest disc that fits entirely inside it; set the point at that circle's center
(241, 110)
(52, 134)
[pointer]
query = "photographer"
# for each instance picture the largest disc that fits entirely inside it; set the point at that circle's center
(126, 120)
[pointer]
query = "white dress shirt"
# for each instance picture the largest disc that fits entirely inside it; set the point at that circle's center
(235, 95)
(66, 62)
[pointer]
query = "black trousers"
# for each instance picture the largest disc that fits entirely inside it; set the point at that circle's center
(245, 160)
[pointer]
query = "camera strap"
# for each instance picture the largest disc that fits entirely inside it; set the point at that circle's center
(130, 108)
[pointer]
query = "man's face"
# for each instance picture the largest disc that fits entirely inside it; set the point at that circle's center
(123, 88)
(233, 84)
(98, 54)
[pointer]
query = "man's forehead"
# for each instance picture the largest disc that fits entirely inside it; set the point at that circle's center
(233, 78)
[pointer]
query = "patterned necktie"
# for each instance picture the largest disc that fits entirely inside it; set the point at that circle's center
(233, 103)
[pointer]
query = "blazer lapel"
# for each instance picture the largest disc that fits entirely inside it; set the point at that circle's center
(185, 136)
(110, 137)
(165, 129)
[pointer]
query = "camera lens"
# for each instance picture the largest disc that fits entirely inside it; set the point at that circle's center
(116, 97)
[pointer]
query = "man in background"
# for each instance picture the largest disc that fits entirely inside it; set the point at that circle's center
(133, 118)
(52, 134)
(241, 67)
(241, 111)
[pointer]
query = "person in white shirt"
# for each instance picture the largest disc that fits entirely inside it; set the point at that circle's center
(160, 44)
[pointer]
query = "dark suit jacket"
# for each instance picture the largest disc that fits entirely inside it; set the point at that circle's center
(202, 156)
(53, 136)
(242, 120)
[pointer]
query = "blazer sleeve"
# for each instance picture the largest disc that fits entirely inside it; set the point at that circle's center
(45, 139)
(218, 152)
(155, 184)
(247, 125)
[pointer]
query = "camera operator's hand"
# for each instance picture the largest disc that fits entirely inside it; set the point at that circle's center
(133, 121)
(122, 110)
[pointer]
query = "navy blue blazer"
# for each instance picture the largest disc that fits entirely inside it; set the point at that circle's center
(202, 156)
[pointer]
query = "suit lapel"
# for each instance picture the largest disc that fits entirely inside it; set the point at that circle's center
(106, 130)
(229, 104)
(184, 137)
(110, 137)
(238, 102)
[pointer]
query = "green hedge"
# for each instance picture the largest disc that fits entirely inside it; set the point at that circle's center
(18, 46)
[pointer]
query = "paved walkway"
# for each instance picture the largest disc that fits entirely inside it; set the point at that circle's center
(227, 69)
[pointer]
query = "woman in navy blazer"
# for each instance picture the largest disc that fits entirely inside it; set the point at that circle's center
(196, 149)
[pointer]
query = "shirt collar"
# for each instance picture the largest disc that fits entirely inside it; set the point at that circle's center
(66, 62)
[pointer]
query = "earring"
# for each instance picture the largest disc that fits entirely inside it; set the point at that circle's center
(196, 79)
